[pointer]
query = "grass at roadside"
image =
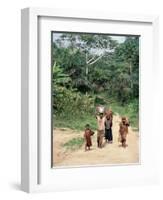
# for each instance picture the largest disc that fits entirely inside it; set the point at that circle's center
(78, 122)
(74, 143)
(129, 111)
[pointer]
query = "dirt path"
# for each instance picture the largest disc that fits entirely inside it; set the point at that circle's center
(110, 154)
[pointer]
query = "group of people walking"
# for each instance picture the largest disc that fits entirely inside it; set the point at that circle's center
(104, 130)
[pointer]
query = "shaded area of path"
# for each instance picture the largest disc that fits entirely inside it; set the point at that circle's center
(109, 154)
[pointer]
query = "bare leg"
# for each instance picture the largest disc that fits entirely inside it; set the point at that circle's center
(124, 142)
(101, 141)
(98, 141)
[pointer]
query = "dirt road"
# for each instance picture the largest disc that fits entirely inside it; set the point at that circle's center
(109, 154)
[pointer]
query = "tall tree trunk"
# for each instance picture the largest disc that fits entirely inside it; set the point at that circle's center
(86, 71)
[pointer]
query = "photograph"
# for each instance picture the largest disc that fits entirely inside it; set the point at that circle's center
(94, 99)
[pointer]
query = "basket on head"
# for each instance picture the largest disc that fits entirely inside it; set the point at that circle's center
(100, 109)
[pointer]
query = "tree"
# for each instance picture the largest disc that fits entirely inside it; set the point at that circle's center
(98, 64)
(83, 51)
(128, 52)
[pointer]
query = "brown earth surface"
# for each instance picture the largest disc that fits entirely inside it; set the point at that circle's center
(109, 154)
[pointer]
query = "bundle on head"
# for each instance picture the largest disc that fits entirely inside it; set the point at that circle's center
(100, 109)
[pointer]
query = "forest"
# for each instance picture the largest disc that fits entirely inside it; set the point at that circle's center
(90, 70)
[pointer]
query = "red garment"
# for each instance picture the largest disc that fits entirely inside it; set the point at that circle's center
(87, 135)
(123, 130)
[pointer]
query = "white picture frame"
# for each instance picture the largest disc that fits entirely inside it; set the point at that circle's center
(36, 171)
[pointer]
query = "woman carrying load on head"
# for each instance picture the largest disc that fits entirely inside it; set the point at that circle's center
(100, 125)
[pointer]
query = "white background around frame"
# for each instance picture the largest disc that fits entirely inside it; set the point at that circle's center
(10, 98)
(86, 177)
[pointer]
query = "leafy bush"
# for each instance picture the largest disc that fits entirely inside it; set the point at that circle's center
(69, 102)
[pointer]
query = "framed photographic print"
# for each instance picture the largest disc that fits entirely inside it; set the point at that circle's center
(92, 72)
(88, 89)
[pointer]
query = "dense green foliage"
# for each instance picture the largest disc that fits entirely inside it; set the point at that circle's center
(91, 69)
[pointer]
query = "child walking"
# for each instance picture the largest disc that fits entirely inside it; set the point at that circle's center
(123, 131)
(87, 136)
